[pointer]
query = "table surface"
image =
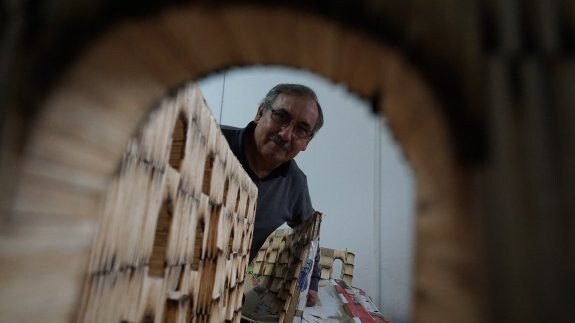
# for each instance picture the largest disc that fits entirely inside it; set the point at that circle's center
(337, 302)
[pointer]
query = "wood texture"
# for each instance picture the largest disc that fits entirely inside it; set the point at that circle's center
(279, 264)
(327, 259)
(486, 248)
(128, 71)
(166, 251)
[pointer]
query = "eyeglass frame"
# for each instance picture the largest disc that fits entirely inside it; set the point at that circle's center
(291, 122)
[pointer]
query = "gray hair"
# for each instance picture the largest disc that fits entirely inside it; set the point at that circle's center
(297, 90)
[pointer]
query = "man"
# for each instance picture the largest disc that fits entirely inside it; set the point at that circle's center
(286, 121)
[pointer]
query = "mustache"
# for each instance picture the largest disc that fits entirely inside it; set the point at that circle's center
(276, 139)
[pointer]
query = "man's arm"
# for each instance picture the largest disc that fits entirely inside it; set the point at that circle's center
(316, 274)
(306, 210)
(312, 295)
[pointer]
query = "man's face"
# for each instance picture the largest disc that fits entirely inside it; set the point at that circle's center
(277, 143)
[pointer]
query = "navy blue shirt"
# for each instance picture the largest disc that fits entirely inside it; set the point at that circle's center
(283, 196)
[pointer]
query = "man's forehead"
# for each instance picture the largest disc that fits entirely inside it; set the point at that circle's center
(281, 99)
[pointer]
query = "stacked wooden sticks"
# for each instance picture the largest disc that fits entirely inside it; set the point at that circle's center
(176, 224)
(281, 261)
(329, 256)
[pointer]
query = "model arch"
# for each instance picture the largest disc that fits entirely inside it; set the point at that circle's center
(89, 116)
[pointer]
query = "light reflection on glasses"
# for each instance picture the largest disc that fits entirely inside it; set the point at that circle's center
(283, 119)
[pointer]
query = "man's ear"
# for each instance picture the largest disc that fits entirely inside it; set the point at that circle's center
(260, 113)
(307, 143)
(305, 146)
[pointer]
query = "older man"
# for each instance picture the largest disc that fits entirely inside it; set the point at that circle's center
(286, 121)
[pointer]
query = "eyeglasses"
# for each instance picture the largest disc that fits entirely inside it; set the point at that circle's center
(284, 120)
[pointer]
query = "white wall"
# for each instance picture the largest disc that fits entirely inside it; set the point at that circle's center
(356, 175)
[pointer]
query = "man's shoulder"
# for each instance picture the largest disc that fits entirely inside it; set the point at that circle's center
(225, 127)
(230, 132)
(295, 172)
(229, 129)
